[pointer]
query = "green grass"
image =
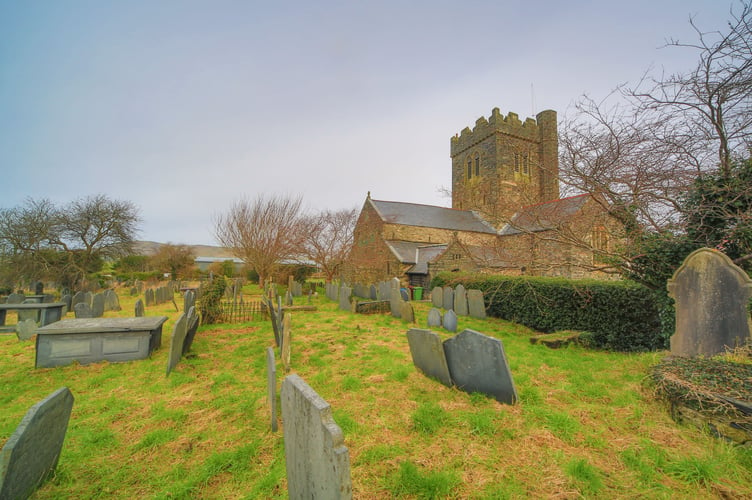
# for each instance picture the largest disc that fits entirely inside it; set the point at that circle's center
(586, 425)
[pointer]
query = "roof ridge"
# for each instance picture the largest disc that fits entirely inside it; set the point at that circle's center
(556, 200)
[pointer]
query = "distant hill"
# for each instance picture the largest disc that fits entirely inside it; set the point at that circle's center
(149, 248)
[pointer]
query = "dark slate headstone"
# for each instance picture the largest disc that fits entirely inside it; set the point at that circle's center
(403, 293)
(176, 342)
(30, 455)
(477, 364)
(317, 460)
(450, 321)
(428, 355)
(407, 313)
(111, 301)
(437, 297)
(271, 385)
(711, 294)
(434, 317)
(38, 288)
(460, 300)
(448, 298)
(82, 310)
(139, 308)
(191, 325)
(26, 329)
(97, 305)
(189, 299)
(476, 304)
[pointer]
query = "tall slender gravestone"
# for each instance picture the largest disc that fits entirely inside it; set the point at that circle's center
(437, 297)
(711, 295)
(476, 304)
(317, 460)
(30, 455)
(176, 342)
(97, 305)
(448, 298)
(271, 385)
(286, 347)
(139, 309)
(460, 300)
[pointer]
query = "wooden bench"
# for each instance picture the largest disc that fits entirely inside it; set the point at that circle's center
(89, 340)
(46, 313)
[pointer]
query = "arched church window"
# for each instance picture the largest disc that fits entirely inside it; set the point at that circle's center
(469, 168)
(477, 164)
(516, 163)
(525, 166)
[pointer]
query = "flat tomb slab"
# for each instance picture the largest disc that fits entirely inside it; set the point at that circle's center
(90, 340)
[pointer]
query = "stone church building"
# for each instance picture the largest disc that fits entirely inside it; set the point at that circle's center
(506, 215)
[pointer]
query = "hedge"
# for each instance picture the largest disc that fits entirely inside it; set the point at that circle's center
(618, 315)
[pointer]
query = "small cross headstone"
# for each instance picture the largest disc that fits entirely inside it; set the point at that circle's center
(437, 297)
(477, 364)
(434, 317)
(460, 300)
(450, 321)
(476, 304)
(711, 294)
(30, 455)
(271, 384)
(428, 355)
(82, 310)
(316, 458)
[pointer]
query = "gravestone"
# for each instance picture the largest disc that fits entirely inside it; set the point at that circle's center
(273, 318)
(97, 305)
(111, 301)
(286, 347)
(385, 290)
(77, 298)
(15, 298)
(149, 297)
(477, 364)
(191, 325)
(26, 329)
(395, 302)
(31, 314)
(404, 295)
(189, 300)
(30, 455)
(344, 298)
(475, 304)
(271, 385)
(460, 300)
(176, 343)
(38, 288)
(711, 294)
(434, 317)
(373, 293)
(89, 298)
(407, 313)
(139, 308)
(316, 458)
(82, 310)
(68, 301)
(448, 297)
(134, 291)
(450, 321)
(428, 355)
(437, 297)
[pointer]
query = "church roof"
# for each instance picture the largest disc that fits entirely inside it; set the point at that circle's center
(413, 214)
(413, 252)
(544, 216)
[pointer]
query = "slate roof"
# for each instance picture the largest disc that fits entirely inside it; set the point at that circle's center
(413, 252)
(544, 216)
(413, 214)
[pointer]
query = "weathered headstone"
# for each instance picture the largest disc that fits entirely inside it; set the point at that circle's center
(191, 325)
(344, 298)
(68, 301)
(31, 314)
(25, 329)
(711, 294)
(176, 342)
(434, 317)
(373, 293)
(189, 299)
(428, 355)
(30, 455)
(460, 300)
(15, 298)
(82, 310)
(448, 298)
(149, 297)
(477, 364)
(437, 297)
(475, 304)
(407, 313)
(286, 347)
(89, 298)
(77, 298)
(317, 460)
(271, 384)
(139, 308)
(395, 302)
(97, 305)
(450, 321)
(111, 301)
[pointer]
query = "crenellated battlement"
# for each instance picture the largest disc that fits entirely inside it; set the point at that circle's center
(531, 129)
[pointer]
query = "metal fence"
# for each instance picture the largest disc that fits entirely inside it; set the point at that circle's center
(242, 312)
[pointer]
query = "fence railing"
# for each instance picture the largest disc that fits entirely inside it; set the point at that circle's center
(242, 312)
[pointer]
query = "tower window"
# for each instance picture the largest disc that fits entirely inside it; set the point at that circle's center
(516, 163)
(525, 167)
(469, 168)
(477, 164)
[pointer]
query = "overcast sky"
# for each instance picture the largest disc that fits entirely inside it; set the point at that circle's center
(183, 107)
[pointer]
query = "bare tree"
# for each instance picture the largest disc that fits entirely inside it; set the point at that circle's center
(263, 232)
(328, 238)
(174, 259)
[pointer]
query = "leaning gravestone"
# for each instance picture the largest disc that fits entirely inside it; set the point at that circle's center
(711, 295)
(407, 313)
(395, 302)
(97, 305)
(477, 364)
(30, 455)
(475, 304)
(460, 300)
(428, 355)
(176, 343)
(434, 317)
(437, 297)
(139, 308)
(189, 300)
(271, 385)
(26, 329)
(450, 321)
(191, 325)
(448, 298)
(82, 310)
(317, 461)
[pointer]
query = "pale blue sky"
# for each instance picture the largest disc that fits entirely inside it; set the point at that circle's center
(183, 107)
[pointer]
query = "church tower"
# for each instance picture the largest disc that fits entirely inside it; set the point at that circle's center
(503, 164)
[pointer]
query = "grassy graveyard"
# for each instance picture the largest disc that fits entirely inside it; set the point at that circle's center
(587, 424)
